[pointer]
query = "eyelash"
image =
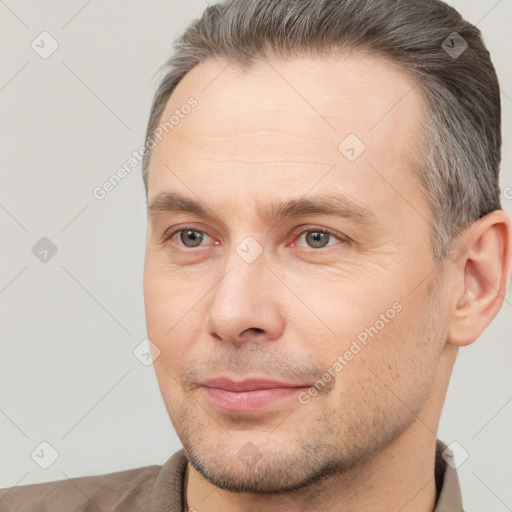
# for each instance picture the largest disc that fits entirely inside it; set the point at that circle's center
(307, 229)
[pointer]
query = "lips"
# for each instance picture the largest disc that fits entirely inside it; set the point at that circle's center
(248, 395)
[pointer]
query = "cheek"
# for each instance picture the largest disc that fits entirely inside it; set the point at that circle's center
(383, 334)
(169, 299)
(171, 322)
(349, 311)
(402, 359)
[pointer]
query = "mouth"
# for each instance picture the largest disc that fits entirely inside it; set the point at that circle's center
(249, 395)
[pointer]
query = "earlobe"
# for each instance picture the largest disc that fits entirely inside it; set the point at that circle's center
(480, 277)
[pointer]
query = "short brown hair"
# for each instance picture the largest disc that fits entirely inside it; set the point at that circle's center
(461, 148)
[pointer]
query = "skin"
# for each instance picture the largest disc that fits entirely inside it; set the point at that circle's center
(366, 441)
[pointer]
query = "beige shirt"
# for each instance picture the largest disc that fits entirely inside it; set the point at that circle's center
(156, 489)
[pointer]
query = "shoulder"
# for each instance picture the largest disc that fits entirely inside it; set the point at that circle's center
(96, 492)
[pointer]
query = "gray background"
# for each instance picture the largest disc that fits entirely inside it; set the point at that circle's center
(69, 326)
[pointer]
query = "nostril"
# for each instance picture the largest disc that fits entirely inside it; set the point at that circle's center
(255, 329)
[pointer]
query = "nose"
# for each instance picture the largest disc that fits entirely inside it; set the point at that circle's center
(245, 304)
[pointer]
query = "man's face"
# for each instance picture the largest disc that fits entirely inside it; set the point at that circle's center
(301, 295)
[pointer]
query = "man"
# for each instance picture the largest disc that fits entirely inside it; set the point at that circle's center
(324, 233)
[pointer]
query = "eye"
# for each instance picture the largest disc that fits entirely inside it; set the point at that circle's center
(188, 237)
(315, 238)
(319, 238)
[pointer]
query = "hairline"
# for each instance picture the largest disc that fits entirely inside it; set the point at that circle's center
(415, 156)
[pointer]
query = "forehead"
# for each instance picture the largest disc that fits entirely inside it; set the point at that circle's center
(284, 120)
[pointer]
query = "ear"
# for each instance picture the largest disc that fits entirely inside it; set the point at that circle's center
(479, 264)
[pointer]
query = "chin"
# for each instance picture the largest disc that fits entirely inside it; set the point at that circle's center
(258, 471)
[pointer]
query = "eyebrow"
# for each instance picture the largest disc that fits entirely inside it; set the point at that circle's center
(335, 205)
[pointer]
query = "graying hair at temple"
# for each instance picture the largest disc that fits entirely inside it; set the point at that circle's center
(458, 157)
